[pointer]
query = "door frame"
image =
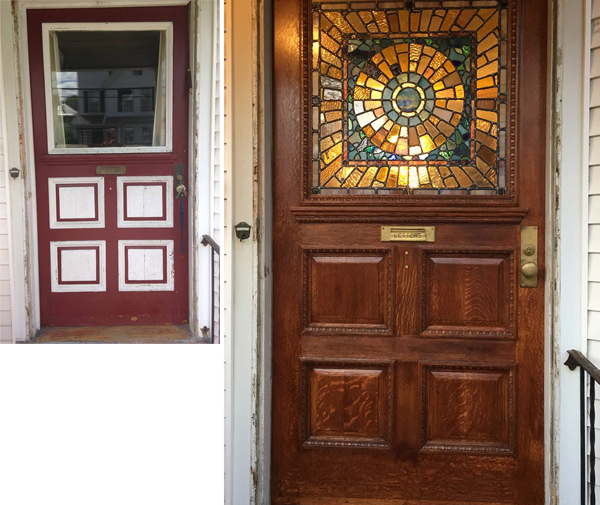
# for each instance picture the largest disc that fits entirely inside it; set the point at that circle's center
(16, 108)
(249, 179)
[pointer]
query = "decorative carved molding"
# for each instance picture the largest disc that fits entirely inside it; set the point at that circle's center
(513, 70)
(396, 214)
(305, 100)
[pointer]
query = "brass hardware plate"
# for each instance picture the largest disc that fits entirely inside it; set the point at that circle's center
(408, 233)
(529, 256)
(114, 170)
(179, 178)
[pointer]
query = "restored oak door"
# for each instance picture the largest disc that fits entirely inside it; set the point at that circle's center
(408, 252)
(110, 91)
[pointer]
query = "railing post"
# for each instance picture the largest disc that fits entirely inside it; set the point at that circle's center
(592, 442)
(216, 253)
(212, 297)
(582, 427)
(577, 359)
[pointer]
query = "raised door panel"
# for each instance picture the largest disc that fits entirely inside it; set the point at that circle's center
(145, 202)
(348, 291)
(347, 404)
(78, 266)
(146, 265)
(468, 294)
(76, 202)
(468, 408)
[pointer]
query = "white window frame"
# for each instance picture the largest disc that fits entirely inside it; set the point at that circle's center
(166, 27)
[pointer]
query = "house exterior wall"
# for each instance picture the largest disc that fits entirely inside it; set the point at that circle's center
(593, 312)
(594, 190)
(216, 198)
(5, 298)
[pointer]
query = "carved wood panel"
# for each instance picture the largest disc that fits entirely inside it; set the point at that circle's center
(468, 294)
(468, 408)
(348, 291)
(347, 404)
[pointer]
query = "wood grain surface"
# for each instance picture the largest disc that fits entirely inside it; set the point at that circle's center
(407, 373)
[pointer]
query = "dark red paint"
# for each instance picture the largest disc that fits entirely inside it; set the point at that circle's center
(111, 307)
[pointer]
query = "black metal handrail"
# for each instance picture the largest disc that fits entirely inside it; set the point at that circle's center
(216, 255)
(577, 359)
(208, 240)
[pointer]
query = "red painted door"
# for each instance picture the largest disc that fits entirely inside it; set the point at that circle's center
(109, 91)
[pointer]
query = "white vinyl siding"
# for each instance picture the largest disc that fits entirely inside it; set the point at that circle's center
(5, 315)
(593, 330)
(216, 169)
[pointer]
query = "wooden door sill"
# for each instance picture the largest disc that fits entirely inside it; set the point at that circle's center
(143, 334)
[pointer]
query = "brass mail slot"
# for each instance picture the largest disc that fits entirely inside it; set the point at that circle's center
(114, 170)
(408, 233)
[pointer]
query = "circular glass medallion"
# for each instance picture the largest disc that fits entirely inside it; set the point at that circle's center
(409, 99)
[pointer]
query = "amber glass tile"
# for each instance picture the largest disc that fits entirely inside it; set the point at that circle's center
(410, 98)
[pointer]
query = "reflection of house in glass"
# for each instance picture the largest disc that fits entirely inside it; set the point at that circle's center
(110, 100)
(110, 108)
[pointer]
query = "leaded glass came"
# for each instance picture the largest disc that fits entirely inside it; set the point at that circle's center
(410, 99)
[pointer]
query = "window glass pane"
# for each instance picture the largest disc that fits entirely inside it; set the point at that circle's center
(409, 100)
(108, 88)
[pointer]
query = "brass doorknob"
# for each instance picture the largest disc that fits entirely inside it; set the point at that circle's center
(529, 269)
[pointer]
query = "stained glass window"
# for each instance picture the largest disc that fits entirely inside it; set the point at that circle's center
(410, 97)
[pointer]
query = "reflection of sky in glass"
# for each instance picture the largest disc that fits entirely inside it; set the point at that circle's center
(68, 80)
